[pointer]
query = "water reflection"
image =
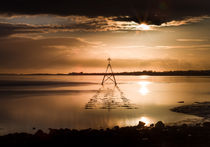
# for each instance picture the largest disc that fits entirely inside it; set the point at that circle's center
(144, 87)
(61, 105)
(146, 120)
(144, 77)
(109, 97)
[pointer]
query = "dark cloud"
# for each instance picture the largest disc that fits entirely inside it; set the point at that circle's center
(150, 11)
(7, 29)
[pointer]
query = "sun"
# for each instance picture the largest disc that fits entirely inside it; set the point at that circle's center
(144, 26)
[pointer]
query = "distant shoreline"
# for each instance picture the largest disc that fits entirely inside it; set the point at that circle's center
(137, 73)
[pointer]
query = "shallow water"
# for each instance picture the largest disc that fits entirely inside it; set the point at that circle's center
(43, 102)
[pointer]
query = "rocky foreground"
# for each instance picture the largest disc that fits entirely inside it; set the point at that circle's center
(158, 135)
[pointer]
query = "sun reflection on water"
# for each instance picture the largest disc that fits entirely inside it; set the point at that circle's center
(146, 120)
(144, 87)
(144, 77)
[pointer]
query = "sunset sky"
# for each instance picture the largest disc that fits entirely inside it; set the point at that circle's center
(43, 36)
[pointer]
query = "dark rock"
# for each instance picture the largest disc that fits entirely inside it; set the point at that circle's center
(40, 134)
(180, 101)
(158, 136)
(160, 125)
(206, 124)
(141, 124)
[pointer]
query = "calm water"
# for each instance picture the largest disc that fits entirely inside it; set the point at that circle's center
(59, 101)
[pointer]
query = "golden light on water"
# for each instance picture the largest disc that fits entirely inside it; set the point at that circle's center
(144, 87)
(144, 77)
(145, 120)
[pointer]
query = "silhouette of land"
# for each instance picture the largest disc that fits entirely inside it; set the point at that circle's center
(201, 109)
(158, 135)
(155, 73)
(135, 73)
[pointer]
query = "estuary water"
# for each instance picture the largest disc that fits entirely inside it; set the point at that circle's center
(28, 103)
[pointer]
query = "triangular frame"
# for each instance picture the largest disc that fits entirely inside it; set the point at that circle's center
(109, 75)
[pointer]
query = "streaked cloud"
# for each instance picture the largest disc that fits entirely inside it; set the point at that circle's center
(192, 40)
(154, 12)
(19, 53)
(37, 25)
(188, 47)
(184, 21)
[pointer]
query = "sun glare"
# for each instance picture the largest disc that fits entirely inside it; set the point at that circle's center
(143, 76)
(144, 27)
(144, 89)
(145, 120)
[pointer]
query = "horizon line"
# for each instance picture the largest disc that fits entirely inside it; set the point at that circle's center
(123, 72)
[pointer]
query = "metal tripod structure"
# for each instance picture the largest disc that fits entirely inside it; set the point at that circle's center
(109, 96)
(109, 75)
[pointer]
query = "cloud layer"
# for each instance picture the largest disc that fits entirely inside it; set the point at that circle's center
(150, 11)
(46, 35)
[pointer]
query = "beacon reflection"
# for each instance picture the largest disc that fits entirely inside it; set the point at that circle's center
(109, 97)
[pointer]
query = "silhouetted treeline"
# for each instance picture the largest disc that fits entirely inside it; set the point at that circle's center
(154, 73)
(157, 135)
(135, 73)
